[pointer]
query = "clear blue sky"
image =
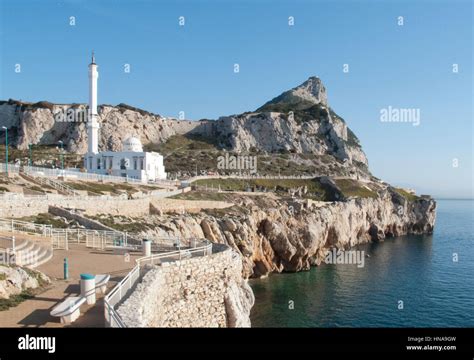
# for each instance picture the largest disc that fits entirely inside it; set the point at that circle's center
(190, 68)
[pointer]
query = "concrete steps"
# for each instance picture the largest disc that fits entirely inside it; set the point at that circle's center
(31, 254)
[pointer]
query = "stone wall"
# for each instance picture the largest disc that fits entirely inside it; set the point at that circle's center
(180, 206)
(16, 205)
(198, 292)
(21, 206)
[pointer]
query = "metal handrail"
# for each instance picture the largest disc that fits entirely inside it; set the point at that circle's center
(13, 225)
(9, 240)
(109, 306)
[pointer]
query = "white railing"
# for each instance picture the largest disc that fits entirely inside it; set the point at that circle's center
(77, 174)
(120, 291)
(7, 243)
(250, 177)
(58, 185)
(61, 238)
(96, 239)
(13, 225)
(12, 168)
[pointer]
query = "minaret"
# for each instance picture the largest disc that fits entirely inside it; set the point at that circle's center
(93, 125)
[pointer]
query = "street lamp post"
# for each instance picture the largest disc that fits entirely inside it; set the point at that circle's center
(62, 155)
(6, 148)
(30, 154)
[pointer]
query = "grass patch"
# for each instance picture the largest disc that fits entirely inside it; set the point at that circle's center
(101, 188)
(36, 188)
(352, 188)
(3, 277)
(203, 195)
(46, 219)
(41, 155)
(15, 300)
(280, 186)
(130, 226)
(406, 194)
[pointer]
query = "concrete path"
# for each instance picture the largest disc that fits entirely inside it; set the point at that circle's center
(35, 312)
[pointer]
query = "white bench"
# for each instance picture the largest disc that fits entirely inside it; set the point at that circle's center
(69, 309)
(101, 281)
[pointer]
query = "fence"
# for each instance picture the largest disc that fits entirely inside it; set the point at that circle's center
(60, 186)
(77, 174)
(12, 168)
(125, 286)
(40, 171)
(12, 225)
(250, 177)
(8, 243)
(61, 238)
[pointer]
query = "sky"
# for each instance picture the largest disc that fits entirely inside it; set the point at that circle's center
(190, 68)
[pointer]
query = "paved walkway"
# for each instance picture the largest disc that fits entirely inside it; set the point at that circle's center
(35, 312)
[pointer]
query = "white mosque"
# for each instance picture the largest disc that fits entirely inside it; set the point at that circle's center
(132, 161)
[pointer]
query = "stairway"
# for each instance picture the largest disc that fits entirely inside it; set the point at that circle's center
(31, 254)
(60, 186)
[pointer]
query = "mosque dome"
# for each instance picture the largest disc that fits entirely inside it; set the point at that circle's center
(132, 144)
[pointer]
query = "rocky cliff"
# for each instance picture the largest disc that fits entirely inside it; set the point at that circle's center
(299, 121)
(273, 234)
(44, 123)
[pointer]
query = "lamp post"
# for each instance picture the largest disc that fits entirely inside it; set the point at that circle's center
(62, 155)
(30, 154)
(6, 148)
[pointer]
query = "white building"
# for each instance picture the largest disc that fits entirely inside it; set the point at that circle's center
(132, 161)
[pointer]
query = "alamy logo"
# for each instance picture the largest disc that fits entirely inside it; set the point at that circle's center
(407, 115)
(37, 343)
(10, 257)
(346, 257)
(237, 162)
(72, 115)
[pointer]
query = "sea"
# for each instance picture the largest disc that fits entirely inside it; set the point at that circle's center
(408, 281)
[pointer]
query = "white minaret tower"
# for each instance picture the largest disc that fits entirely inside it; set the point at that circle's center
(93, 125)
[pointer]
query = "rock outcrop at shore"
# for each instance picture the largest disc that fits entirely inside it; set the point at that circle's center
(277, 235)
(15, 279)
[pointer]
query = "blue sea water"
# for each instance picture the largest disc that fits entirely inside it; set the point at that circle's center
(419, 271)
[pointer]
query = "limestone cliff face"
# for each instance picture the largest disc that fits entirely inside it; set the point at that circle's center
(298, 121)
(38, 124)
(291, 236)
